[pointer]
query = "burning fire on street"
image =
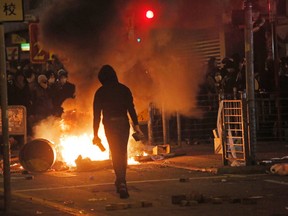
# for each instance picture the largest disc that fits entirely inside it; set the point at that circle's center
(71, 139)
(71, 146)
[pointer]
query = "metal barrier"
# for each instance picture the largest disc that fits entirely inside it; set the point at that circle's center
(271, 117)
(271, 123)
(182, 128)
(232, 131)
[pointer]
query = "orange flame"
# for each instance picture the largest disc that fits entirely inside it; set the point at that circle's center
(70, 146)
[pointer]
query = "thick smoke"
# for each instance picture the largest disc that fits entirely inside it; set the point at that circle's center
(87, 34)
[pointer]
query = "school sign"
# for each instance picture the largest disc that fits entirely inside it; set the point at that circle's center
(11, 10)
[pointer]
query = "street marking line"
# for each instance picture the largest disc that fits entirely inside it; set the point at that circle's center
(245, 176)
(61, 174)
(276, 182)
(53, 205)
(112, 183)
(177, 179)
(209, 170)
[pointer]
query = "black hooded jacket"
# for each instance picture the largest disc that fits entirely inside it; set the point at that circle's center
(113, 99)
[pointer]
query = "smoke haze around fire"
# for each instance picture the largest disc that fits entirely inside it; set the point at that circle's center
(87, 34)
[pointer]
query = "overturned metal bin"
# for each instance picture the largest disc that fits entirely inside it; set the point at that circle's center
(38, 155)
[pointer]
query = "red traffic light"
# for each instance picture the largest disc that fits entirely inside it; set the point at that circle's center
(149, 14)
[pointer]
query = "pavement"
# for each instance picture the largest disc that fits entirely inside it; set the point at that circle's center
(202, 157)
(195, 156)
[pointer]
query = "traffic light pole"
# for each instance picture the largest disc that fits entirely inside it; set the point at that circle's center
(275, 58)
(4, 115)
(250, 85)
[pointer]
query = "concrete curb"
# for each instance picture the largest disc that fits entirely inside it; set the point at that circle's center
(242, 170)
(225, 169)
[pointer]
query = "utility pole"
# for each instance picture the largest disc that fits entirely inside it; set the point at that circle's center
(250, 85)
(274, 55)
(4, 118)
(11, 11)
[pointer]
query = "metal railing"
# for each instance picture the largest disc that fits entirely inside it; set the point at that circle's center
(271, 117)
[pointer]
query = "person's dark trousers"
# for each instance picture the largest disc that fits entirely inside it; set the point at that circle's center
(117, 134)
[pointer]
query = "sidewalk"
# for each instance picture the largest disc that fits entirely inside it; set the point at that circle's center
(201, 157)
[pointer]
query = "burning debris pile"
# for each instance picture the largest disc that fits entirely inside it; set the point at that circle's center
(68, 145)
(65, 143)
(86, 164)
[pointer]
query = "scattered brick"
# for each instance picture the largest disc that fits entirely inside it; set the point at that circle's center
(121, 206)
(146, 204)
(176, 199)
(235, 200)
(184, 179)
(116, 206)
(249, 201)
(135, 205)
(193, 203)
(184, 203)
(217, 200)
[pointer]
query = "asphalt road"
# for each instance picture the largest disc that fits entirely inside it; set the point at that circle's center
(152, 189)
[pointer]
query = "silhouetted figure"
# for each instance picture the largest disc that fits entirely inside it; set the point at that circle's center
(114, 100)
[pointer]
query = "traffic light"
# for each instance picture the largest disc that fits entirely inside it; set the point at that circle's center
(149, 14)
(143, 19)
(146, 13)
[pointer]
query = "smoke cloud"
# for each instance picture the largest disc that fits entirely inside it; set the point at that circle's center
(87, 34)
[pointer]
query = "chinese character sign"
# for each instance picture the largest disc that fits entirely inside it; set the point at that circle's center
(11, 10)
(37, 54)
(17, 120)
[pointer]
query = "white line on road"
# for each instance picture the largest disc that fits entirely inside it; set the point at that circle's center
(276, 182)
(112, 183)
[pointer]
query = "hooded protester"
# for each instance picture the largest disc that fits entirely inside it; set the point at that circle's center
(41, 100)
(114, 100)
(30, 76)
(63, 90)
(51, 77)
(11, 87)
(22, 94)
(229, 81)
(52, 88)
